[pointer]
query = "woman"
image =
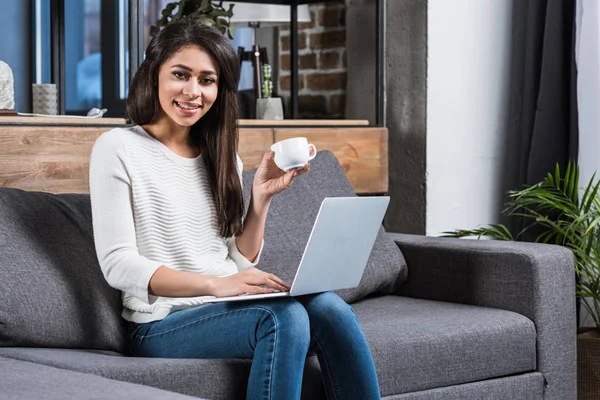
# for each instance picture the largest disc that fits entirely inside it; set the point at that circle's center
(169, 228)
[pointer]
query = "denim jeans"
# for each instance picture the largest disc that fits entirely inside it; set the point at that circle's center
(277, 335)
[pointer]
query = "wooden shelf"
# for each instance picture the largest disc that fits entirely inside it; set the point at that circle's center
(302, 122)
(53, 156)
(62, 120)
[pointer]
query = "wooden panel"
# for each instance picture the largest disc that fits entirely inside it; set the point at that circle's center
(49, 159)
(302, 122)
(70, 120)
(253, 144)
(56, 158)
(362, 152)
(62, 120)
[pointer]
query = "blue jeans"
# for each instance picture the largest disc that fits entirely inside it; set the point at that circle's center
(276, 334)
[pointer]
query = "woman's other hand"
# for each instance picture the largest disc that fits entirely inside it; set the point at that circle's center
(270, 180)
(251, 280)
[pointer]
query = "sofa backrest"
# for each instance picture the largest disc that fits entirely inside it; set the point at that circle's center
(52, 292)
(290, 220)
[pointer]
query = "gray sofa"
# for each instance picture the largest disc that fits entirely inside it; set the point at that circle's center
(444, 318)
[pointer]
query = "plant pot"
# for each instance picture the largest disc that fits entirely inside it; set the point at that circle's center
(269, 108)
(588, 364)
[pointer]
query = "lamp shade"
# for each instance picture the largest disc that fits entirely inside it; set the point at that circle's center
(266, 14)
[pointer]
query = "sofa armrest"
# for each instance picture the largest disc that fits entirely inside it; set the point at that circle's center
(535, 280)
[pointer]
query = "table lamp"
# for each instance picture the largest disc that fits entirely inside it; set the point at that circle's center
(256, 15)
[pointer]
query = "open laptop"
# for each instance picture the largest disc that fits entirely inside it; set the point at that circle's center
(337, 250)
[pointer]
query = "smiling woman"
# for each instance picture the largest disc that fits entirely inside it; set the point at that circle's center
(191, 104)
(170, 228)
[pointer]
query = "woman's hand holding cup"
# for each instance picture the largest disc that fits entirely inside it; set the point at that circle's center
(287, 160)
(293, 153)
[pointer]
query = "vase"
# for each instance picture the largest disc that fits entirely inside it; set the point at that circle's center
(45, 98)
(269, 108)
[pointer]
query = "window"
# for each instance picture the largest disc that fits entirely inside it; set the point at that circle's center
(92, 56)
(83, 57)
(89, 59)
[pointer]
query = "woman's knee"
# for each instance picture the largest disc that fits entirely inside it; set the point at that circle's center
(328, 306)
(289, 320)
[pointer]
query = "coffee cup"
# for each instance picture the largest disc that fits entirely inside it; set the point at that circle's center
(293, 153)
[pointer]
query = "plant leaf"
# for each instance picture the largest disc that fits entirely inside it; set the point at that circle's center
(499, 232)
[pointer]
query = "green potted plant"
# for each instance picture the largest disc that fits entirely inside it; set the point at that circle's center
(208, 12)
(560, 213)
(268, 107)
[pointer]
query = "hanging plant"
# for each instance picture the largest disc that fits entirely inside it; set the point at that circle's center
(207, 12)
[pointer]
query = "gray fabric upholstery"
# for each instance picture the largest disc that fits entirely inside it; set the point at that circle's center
(52, 292)
(470, 310)
(423, 344)
(416, 344)
(24, 380)
(521, 387)
(535, 280)
(213, 379)
(291, 217)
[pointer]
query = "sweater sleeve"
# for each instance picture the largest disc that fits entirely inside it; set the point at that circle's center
(114, 230)
(242, 262)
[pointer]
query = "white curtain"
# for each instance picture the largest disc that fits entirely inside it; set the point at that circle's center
(587, 56)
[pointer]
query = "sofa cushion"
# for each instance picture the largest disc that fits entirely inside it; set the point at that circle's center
(424, 344)
(290, 220)
(26, 380)
(528, 386)
(52, 291)
(213, 379)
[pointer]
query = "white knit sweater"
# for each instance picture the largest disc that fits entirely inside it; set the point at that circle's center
(152, 207)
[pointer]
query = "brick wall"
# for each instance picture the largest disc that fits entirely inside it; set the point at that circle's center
(321, 62)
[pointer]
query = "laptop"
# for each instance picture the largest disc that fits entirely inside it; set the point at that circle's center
(337, 250)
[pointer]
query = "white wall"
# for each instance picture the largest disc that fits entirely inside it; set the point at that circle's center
(467, 111)
(588, 87)
(588, 98)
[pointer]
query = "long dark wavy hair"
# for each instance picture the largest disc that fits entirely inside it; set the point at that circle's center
(216, 133)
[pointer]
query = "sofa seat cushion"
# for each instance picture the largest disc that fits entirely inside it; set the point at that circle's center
(291, 217)
(213, 379)
(528, 386)
(27, 380)
(423, 344)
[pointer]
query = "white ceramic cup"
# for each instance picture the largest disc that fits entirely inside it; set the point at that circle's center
(293, 153)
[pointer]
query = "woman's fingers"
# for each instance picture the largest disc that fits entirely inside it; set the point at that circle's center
(275, 282)
(252, 289)
(280, 281)
(268, 156)
(288, 177)
(276, 285)
(258, 277)
(302, 170)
